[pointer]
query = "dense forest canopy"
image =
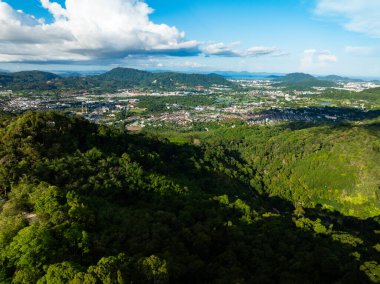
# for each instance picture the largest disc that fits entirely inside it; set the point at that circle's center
(335, 165)
(83, 203)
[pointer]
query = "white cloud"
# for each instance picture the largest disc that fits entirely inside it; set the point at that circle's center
(221, 49)
(325, 57)
(167, 62)
(100, 30)
(232, 50)
(193, 64)
(55, 9)
(312, 58)
(361, 16)
(307, 59)
(261, 50)
(87, 30)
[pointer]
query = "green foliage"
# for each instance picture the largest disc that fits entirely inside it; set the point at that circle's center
(160, 104)
(92, 204)
(346, 238)
(60, 273)
(30, 248)
(367, 96)
(372, 269)
(315, 226)
(154, 269)
(333, 165)
(109, 270)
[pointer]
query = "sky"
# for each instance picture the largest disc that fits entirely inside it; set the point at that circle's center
(275, 36)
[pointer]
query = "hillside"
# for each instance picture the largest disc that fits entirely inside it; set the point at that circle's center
(90, 204)
(113, 80)
(30, 80)
(336, 78)
(301, 80)
(136, 77)
(245, 75)
(372, 96)
(335, 166)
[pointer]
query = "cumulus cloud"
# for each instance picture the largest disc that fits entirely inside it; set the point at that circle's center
(93, 30)
(55, 9)
(325, 57)
(87, 30)
(361, 16)
(313, 58)
(307, 59)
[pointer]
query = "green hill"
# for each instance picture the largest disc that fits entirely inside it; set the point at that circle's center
(131, 77)
(84, 203)
(301, 80)
(29, 80)
(110, 81)
(33, 76)
(336, 78)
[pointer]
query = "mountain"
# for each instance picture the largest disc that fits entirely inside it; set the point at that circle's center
(33, 76)
(297, 77)
(110, 81)
(84, 203)
(245, 75)
(214, 74)
(271, 77)
(5, 79)
(28, 76)
(80, 73)
(302, 80)
(336, 78)
(28, 80)
(128, 76)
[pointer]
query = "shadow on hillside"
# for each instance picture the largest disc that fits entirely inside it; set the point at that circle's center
(221, 230)
(268, 250)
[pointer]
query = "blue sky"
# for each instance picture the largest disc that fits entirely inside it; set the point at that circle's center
(314, 36)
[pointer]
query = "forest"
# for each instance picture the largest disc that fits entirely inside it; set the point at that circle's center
(112, 80)
(84, 203)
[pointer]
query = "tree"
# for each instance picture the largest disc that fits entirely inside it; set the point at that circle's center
(60, 273)
(154, 269)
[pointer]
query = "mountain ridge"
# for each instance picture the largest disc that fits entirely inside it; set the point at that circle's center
(303, 80)
(111, 80)
(338, 78)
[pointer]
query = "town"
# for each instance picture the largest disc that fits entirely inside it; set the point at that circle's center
(257, 102)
